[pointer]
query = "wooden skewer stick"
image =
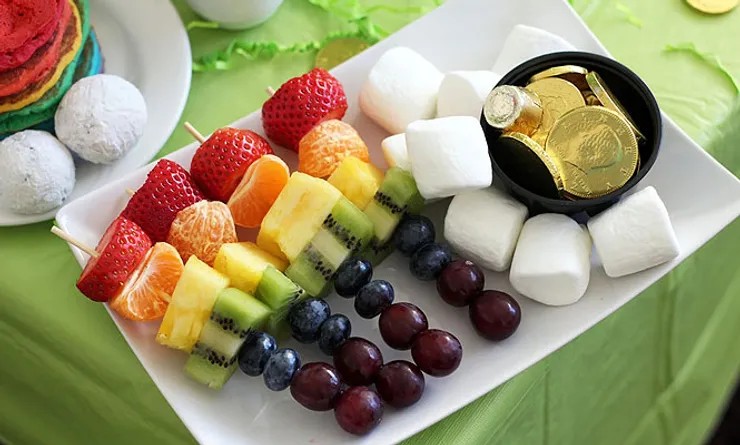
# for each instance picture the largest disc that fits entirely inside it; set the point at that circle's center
(194, 133)
(270, 91)
(130, 192)
(75, 242)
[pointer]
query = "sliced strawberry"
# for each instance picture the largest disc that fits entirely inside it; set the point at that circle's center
(300, 104)
(167, 190)
(221, 161)
(121, 249)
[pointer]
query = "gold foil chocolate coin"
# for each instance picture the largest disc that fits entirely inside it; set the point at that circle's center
(339, 50)
(595, 150)
(513, 109)
(557, 97)
(572, 73)
(608, 100)
(591, 98)
(713, 6)
(526, 163)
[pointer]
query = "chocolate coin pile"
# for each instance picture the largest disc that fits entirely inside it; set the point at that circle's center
(565, 134)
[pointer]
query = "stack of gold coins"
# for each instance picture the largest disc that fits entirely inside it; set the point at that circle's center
(566, 122)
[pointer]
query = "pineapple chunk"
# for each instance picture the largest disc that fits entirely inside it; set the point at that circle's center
(244, 263)
(307, 218)
(357, 180)
(291, 222)
(191, 305)
(298, 185)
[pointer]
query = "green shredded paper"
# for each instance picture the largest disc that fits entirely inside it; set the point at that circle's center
(710, 59)
(351, 11)
(628, 15)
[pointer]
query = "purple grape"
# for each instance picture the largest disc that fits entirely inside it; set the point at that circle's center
(316, 386)
(438, 353)
(459, 282)
(357, 361)
(400, 323)
(358, 410)
(400, 383)
(495, 315)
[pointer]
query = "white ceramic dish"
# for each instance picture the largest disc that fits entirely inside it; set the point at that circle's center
(144, 42)
(462, 34)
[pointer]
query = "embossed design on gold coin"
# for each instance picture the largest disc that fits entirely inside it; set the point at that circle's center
(608, 100)
(513, 109)
(339, 50)
(572, 73)
(713, 6)
(595, 149)
(557, 96)
(527, 163)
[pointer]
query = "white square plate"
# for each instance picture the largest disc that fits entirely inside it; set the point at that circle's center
(701, 196)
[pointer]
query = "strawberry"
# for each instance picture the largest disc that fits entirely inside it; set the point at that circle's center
(121, 249)
(300, 104)
(167, 190)
(221, 161)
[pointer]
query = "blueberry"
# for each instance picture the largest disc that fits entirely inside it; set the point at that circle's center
(257, 348)
(335, 330)
(427, 263)
(373, 298)
(305, 319)
(413, 232)
(352, 274)
(280, 369)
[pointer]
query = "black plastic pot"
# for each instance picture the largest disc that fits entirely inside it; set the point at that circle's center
(629, 89)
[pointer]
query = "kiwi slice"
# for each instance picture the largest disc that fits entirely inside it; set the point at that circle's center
(233, 316)
(346, 231)
(279, 293)
(396, 196)
(349, 226)
(209, 367)
(312, 271)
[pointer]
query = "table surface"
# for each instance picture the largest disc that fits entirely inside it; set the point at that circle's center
(657, 371)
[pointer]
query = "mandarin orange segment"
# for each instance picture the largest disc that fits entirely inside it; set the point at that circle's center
(323, 148)
(258, 190)
(201, 229)
(146, 294)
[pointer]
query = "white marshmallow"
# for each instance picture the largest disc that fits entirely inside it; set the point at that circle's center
(524, 43)
(552, 260)
(483, 226)
(635, 234)
(37, 172)
(395, 152)
(448, 155)
(462, 93)
(101, 118)
(401, 88)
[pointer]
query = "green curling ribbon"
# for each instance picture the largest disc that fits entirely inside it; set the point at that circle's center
(348, 10)
(711, 60)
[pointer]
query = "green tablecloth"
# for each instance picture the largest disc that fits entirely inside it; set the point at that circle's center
(657, 371)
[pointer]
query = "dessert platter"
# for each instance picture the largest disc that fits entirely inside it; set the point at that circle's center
(383, 244)
(56, 65)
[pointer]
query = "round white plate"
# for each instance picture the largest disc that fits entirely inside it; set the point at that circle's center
(145, 42)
